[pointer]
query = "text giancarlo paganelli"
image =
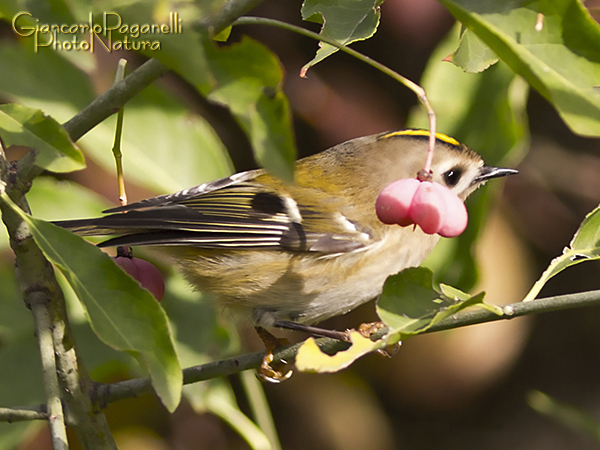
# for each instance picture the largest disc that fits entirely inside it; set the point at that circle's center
(117, 34)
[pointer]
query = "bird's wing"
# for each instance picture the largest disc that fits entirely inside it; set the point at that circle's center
(232, 213)
(191, 193)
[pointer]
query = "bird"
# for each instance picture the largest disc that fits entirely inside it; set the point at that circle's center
(293, 254)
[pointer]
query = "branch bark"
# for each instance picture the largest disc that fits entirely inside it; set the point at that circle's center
(64, 377)
(38, 303)
(105, 394)
(20, 414)
(108, 393)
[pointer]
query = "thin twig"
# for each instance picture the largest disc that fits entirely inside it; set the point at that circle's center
(19, 414)
(118, 95)
(114, 98)
(418, 90)
(520, 309)
(38, 302)
(108, 393)
(118, 133)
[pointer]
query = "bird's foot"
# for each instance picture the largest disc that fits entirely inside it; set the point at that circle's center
(271, 370)
(369, 329)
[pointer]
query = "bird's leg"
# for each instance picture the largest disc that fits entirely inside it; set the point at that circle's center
(273, 372)
(365, 329)
(315, 331)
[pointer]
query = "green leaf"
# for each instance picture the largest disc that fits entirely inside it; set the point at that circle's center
(51, 199)
(29, 127)
(122, 314)
(245, 77)
(409, 305)
(588, 234)
(217, 397)
(414, 286)
(473, 55)
(223, 35)
(561, 61)
(487, 112)
(248, 81)
(310, 358)
(65, 90)
(157, 128)
(585, 246)
(471, 108)
(345, 22)
(165, 147)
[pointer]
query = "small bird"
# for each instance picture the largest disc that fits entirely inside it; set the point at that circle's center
(292, 254)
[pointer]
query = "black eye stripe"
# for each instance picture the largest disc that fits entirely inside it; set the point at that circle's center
(453, 176)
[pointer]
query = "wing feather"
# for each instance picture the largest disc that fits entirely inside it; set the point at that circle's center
(232, 213)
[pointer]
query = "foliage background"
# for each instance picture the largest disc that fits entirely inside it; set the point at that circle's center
(460, 389)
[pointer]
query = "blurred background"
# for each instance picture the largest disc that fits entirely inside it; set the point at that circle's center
(464, 389)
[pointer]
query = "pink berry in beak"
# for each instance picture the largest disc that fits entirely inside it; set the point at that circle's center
(435, 208)
(394, 201)
(428, 209)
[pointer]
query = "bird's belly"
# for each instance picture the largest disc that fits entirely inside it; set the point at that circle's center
(360, 278)
(301, 287)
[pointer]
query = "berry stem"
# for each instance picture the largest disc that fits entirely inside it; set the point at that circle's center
(424, 175)
(117, 144)
(421, 95)
(432, 133)
(121, 251)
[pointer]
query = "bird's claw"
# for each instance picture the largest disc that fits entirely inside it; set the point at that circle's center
(368, 329)
(270, 370)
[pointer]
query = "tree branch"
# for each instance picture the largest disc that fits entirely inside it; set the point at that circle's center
(109, 393)
(42, 294)
(114, 98)
(64, 377)
(118, 95)
(20, 414)
(38, 302)
(542, 305)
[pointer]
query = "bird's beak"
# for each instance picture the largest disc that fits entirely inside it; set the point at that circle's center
(489, 172)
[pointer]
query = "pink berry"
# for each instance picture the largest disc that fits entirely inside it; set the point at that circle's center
(145, 273)
(393, 203)
(456, 215)
(428, 208)
(435, 208)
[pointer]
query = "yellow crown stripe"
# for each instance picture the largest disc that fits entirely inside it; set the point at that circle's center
(412, 132)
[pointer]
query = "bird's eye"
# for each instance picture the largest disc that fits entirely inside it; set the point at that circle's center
(452, 177)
